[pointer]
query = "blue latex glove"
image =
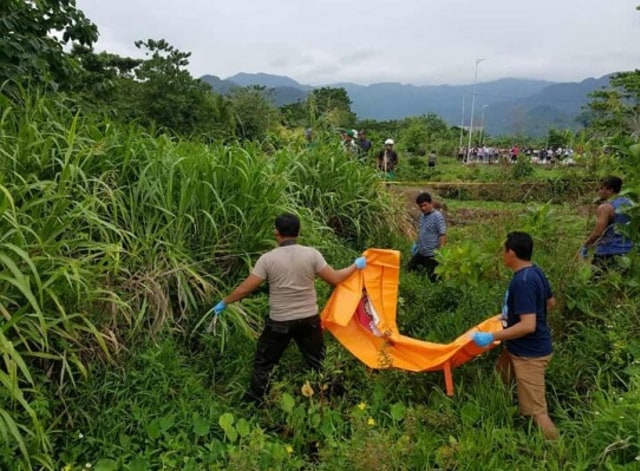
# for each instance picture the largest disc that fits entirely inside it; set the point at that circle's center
(218, 308)
(584, 252)
(414, 248)
(482, 339)
(360, 263)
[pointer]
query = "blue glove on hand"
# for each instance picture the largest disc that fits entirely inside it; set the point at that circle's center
(360, 263)
(482, 339)
(584, 252)
(414, 248)
(218, 308)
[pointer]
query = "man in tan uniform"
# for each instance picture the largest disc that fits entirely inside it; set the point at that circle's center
(290, 269)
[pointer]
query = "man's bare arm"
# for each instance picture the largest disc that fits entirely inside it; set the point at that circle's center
(248, 286)
(604, 214)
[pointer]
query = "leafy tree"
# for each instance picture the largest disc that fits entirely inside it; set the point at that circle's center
(157, 92)
(436, 126)
(103, 77)
(302, 113)
(332, 105)
(557, 138)
(615, 112)
(255, 113)
(324, 107)
(418, 133)
(169, 96)
(225, 122)
(414, 136)
(32, 39)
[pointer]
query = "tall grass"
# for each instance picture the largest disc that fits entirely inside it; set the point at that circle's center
(107, 234)
(348, 197)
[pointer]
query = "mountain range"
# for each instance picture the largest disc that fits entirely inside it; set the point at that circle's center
(504, 106)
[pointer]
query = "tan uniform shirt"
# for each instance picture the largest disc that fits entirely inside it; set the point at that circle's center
(290, 271)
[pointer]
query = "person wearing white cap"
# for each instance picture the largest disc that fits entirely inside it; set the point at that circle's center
(388, 159)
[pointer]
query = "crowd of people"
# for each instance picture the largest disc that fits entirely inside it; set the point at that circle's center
(489, 155)
(290, 271)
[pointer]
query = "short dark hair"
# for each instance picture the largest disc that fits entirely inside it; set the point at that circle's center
(612, 183)
(423, 197)
(521, 243)
(288, 225)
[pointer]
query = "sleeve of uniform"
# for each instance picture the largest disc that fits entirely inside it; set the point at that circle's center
(318, 261)
(261, 267)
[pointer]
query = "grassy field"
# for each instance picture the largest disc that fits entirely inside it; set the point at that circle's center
(116, 244)
(182, 403)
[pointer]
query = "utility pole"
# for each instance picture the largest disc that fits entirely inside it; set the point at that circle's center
(462, 119)
(484, 107)
(473, 104)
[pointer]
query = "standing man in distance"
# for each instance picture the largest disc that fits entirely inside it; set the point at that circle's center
(431, 162)
(606, 236)
(290, 269)
(526, 333)
(387, 159)
(364, 144)
(432, 235)
(348, 142)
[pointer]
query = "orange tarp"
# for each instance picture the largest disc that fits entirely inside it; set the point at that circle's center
(361, 314)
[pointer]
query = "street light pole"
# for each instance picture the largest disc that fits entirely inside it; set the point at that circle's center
(484, 107)
(461, 120)
(473, 104)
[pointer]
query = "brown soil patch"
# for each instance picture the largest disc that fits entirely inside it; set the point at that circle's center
(409, 194)
(465, 215)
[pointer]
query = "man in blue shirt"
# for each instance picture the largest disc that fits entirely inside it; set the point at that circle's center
(526, 334)
(364, 144)
(432, 235)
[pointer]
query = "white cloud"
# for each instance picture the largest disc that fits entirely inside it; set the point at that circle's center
(408, 41)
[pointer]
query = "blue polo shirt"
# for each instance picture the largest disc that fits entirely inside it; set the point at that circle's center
(528, 293)
(432, 227)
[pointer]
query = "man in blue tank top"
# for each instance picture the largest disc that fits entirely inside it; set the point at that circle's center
(606, 237)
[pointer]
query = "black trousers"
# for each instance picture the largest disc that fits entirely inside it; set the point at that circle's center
(419, 261)
(272, 343)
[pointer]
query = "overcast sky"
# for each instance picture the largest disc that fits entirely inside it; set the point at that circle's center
(423, 42)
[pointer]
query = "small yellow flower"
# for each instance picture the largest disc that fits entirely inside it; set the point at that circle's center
(67, 468)
(371, 421)
(289, 449)
(362, 406)
(307, 390)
